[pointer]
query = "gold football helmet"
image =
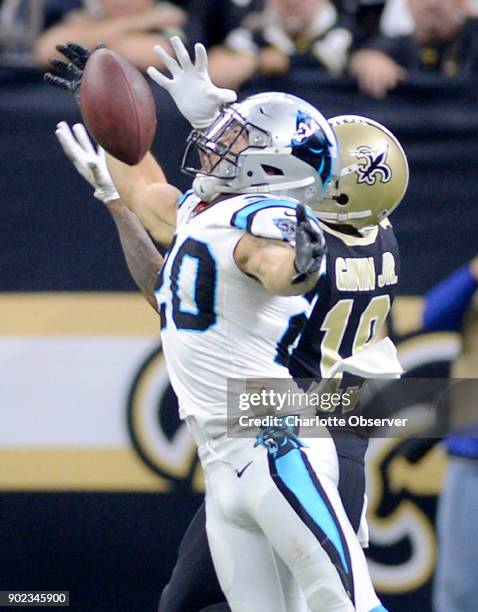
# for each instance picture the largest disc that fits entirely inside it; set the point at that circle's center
(373, 178)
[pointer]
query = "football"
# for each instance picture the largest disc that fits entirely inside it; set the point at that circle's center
(117, 106)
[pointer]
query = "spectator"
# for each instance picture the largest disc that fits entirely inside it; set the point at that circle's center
(210, 21)
(396, 19)
(368, 16)
(130, 27)
(21, 21)
(451, 305)
(56, 10)
(285, 35)
(444, 41)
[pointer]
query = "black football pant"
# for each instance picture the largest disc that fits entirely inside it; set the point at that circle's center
(194, 587)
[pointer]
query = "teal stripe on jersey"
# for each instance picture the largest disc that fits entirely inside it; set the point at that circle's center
(183, 198)
(240, 218)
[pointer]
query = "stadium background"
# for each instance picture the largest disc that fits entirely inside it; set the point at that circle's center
(98, 479)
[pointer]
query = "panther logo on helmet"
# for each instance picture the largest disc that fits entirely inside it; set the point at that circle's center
(309, 143)
(271, 143)
(374, 167)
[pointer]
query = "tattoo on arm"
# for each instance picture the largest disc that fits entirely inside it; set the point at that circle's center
(142, 257)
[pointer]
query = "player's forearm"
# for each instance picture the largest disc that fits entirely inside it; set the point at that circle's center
(144, 190)
(158, 210)
(142, 258)
(280, 282)
(273, 263)
(277, 272)
(128, 179)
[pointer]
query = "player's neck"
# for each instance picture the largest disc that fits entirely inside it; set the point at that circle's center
(203, 205)
(350, 230)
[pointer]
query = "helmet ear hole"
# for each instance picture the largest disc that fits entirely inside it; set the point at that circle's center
(272, 170)
(342, 199)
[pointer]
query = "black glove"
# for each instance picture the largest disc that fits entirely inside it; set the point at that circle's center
(70, 74)
(310, 246)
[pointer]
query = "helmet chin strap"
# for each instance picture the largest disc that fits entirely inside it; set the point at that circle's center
(342, 217)
(208, 187)
(270, 187)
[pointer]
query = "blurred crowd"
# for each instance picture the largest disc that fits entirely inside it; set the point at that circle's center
(380, 43)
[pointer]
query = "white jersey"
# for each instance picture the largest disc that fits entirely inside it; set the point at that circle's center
(218, 323)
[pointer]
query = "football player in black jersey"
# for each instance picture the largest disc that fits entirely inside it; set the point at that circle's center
(363, 268)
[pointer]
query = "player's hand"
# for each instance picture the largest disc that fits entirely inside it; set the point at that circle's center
(310, 246)
(191, 88)
(70, 74)
(90, 163)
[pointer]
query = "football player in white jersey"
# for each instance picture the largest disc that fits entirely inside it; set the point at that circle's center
(223, 317)
(232, 259)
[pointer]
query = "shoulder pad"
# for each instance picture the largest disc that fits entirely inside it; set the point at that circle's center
(185, 203)
(184, 197)
(269, 218)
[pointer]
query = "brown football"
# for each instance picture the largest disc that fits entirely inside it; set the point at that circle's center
(117, 106)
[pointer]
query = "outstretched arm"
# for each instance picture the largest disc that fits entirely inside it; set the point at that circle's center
(143, 188)
(142, 258)
(145, 191)
(190, 85)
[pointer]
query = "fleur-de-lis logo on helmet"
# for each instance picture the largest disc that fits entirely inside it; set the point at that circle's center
(374, 167)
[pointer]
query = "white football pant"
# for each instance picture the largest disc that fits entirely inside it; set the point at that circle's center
(279, 536)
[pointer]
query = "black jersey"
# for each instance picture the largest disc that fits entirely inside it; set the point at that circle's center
(354, 299)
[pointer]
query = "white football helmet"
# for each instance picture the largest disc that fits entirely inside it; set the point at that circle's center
(269, 143)
(373, 177)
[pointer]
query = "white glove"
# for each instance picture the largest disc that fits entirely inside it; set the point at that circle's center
(90, 164)
(197, 99)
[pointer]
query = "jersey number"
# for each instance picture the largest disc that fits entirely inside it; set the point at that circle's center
(290, 338)
(202, 266)
(335, 324)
